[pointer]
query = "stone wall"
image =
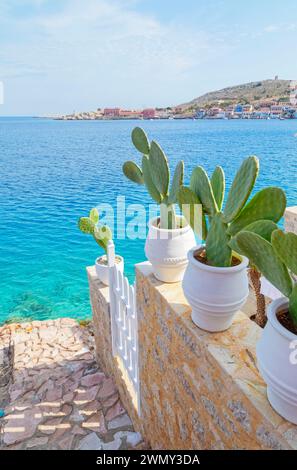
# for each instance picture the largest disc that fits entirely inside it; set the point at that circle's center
(201, 390)
(198, 390)
(291, 219)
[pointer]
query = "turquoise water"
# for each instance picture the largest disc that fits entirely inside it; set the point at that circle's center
(54, 171)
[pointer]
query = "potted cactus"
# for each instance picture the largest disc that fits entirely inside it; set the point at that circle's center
(277, 261)
(215, 282)
(170, 236)
(101, 234)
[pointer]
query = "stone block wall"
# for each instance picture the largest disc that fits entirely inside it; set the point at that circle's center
(198, 390)
(291, 219)
(201, 390)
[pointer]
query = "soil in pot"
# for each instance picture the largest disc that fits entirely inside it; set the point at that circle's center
(284, 318)
(200, 255)
(104, 262)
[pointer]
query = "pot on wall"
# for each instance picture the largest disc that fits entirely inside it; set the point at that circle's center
(277, 362)
(215, 293)
(167, 250)
(102, 269)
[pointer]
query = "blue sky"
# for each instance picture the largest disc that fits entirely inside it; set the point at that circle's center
(64, 55)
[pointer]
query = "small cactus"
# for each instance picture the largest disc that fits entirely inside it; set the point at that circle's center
(89, 225)
(155, 175)
(259, 215)
(276, 260)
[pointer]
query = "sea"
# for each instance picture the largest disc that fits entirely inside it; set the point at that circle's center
(52, 172)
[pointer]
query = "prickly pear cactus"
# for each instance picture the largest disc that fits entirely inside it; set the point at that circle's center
(275, 260)
(89, 225)
(258, 216)
(155, 175)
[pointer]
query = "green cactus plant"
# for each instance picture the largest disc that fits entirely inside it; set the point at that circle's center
(101, 233)
(259, 215)
(154, 173)
(276, 260)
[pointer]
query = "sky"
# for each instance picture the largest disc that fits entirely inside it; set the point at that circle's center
(57, 56)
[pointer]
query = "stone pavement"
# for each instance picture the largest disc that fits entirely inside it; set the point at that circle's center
(54, 394)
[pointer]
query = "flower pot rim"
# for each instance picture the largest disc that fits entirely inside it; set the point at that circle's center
(216, 269)
(119, 257)
(171, 230)
(273, 320)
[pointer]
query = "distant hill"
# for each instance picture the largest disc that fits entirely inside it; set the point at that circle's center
(252, 93)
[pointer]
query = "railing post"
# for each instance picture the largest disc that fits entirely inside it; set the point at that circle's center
(112, 296)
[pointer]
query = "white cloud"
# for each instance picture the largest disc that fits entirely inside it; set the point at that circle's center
(280, 28)
(104, 48)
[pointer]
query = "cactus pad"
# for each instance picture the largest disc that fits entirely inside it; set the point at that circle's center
(102, 236)
(159, 168)
(264, 228)
(293, 305)
(94, 215)
(285, 245)
(241, 188)
(133, 172)
(218, 186)
(218, 252)
(150, 186)
(268, 204)
(191, 208)
(86, 225)
(201, 186)
(177, 182)
(140, 140)
(262, 255)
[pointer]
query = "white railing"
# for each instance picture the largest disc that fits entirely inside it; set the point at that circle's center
(123, 319)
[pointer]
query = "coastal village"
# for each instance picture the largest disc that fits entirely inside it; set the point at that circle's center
(264, 110)
(267, 99)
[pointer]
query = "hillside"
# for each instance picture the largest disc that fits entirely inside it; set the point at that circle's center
(252, 93)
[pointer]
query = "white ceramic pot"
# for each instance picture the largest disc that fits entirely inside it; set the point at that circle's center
(102, 270)
(215, 294)
(277, 362)
(167, 250)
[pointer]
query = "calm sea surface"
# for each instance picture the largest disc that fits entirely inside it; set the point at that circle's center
(52, 172)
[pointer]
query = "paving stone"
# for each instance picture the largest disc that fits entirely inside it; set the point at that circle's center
(90, 442)
(92, 379)
(95, 423)
(78, 430)
(86, 395)
(50, 426)
(76, 417)
(54, 394)
(66, 442)
(21, 426)
(36, 442)
(107, 389)
(59, 395)
(112, 445)
(116, 410)
(110, 401)
(120, 422)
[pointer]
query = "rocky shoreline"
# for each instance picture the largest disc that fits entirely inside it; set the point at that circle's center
(54, 395)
